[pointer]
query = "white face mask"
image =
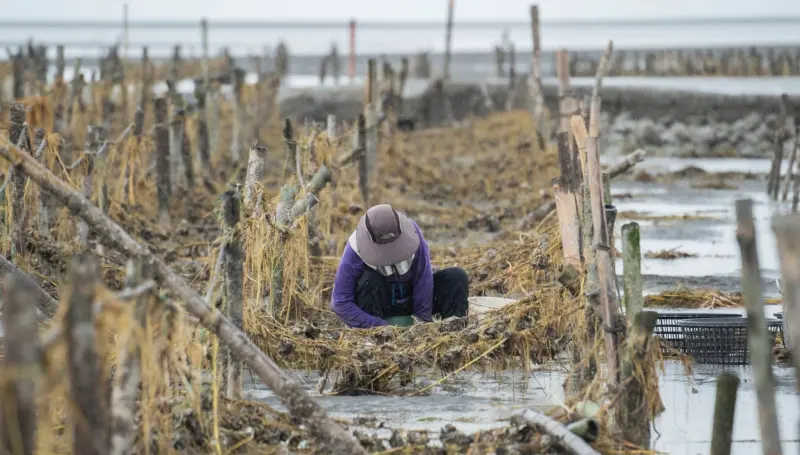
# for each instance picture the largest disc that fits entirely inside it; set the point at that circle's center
(401, 268)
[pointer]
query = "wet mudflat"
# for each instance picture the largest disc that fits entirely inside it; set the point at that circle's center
(672, 215)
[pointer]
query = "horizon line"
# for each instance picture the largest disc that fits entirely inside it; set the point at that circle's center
(405, 24)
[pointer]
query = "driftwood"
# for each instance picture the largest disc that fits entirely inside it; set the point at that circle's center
(327, 432)
(574, 444)
(22, 353)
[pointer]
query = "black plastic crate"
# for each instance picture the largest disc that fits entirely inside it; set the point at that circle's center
(670, 333)
(720, 341)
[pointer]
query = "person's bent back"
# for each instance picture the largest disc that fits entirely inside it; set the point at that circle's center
(385, 272)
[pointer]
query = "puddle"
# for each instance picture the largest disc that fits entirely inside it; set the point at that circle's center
(486, 401)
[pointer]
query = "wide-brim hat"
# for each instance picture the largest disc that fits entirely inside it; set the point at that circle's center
(385, 237)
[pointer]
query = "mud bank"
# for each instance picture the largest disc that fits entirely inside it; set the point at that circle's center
(665, 122)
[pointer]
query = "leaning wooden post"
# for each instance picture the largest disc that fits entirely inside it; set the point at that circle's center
(757, 331)
(305, 410)
(91, 422)
(125, 391)
(234, 282)
(787, 234)
(22, 352)
(724, 410)
(163, 184)
(448, 38)
(18, 134)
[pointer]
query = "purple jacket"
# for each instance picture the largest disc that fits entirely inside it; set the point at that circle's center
(350, 269)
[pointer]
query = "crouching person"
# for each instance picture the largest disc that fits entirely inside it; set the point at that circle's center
(385, 275)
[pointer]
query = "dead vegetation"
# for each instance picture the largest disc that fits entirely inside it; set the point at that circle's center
(669, 255)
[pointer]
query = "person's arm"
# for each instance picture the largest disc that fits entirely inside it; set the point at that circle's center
(343, 300)
(423, 281)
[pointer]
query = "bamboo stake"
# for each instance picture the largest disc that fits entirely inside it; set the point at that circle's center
(787, 234)
(45, 200)
(128, 378)
(605, 267)
(757, 331)
(234, 282)
(90, 423)
(327, 432)
(201, 132)
(724, 411)
(21, 356)
(163, 183)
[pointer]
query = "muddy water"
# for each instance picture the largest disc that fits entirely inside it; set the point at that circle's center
(712, 238)
(480, 401)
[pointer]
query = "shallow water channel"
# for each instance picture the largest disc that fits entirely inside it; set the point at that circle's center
(479, 401)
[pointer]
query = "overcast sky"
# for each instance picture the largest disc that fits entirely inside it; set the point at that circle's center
(393, 10)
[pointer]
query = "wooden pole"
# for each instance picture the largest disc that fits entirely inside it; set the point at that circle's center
(126, 35)
(448, 39)
(724, 411)
(163, 183)
(635, 405)
(791, 172)
(237, 141)
(18, 134)
(757, 331)
(351, 58)
(90, 417)
(605, 267)
(777, 159)
(536, 80)
(234, 284)
(787, 234)
(128, 378)
(256, 165)
(632, 271)
(325, 431)
(363, 169)
(21, 356)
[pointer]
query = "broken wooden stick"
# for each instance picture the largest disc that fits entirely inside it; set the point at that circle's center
(574, 444)
(626, 163)
(327, 432)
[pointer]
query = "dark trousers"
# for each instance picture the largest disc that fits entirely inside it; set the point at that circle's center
(450, 293)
